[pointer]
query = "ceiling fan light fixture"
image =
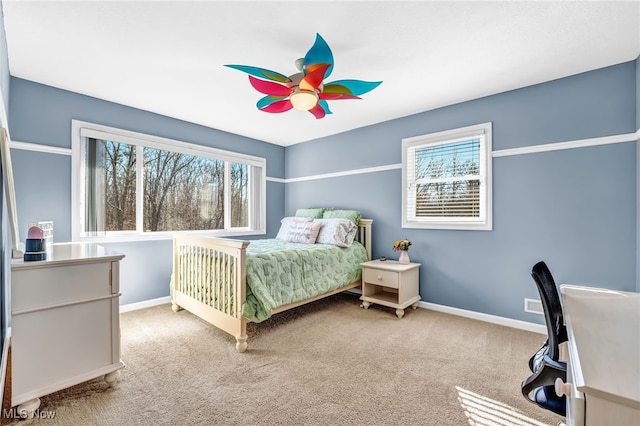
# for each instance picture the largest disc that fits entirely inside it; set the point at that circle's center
(304, 100)
(307, 89)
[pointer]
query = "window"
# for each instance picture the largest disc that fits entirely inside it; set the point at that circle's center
(128, 184)
(446, 179)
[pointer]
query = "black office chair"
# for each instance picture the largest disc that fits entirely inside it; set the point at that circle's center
(545, 364)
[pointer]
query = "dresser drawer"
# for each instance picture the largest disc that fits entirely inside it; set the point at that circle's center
(46, 287)
(380, 277)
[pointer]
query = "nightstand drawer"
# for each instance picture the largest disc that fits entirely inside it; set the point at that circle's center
(380, 277)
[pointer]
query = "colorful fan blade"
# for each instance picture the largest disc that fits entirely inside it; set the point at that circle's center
(261, 73)
(335, 96)
(279, 106)
(311, 68)
(312, 80)
(269, 88)
(335, 88)
(325, 106)
(318, 111)
(268, 100)
(353, 87)
(318, 54)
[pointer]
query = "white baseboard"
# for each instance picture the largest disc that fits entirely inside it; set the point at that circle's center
(145, 304)
(508, 322)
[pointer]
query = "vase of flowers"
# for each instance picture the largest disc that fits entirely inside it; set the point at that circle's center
(403, 247)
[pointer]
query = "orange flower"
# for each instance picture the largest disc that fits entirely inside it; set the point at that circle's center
(402, 245)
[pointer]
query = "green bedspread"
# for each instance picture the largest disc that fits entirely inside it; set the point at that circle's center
(279, 273)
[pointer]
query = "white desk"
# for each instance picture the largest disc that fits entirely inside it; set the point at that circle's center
(603, 369)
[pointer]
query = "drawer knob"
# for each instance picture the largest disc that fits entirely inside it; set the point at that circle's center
(562, 388)
(379, 277)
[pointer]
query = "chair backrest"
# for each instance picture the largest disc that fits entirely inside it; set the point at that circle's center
(556, 330)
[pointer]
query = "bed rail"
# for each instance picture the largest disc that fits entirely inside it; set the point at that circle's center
(364, 235)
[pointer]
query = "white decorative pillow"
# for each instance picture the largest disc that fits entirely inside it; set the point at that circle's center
(337, 232)
(286, 224)
(300, 230)
(304, 232)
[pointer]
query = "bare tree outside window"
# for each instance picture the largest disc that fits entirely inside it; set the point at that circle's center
(180, 191)
(111, 186)
(121, 182)
(239, 195)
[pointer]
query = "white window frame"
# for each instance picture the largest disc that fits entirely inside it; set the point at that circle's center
(485, 220)
(80, 130)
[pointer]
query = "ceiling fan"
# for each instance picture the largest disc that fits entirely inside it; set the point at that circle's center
(306, 89)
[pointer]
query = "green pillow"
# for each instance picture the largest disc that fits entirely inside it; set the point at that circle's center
(353, 215)
(314, 213)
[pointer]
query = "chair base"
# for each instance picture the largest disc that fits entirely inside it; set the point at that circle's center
(546, 397)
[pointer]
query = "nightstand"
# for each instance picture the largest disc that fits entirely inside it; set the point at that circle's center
(390, 283)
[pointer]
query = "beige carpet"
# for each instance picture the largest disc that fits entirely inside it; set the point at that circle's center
(327, 363)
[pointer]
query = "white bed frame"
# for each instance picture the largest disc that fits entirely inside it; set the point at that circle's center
(225, 280)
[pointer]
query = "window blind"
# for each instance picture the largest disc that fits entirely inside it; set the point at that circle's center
(444, 179)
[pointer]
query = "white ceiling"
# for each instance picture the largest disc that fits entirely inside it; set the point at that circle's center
(167, 56)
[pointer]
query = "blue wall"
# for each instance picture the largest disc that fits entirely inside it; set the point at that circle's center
(575, 209)
(42, 115)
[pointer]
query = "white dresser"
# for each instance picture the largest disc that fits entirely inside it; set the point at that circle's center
(65, 321)
(603, 368)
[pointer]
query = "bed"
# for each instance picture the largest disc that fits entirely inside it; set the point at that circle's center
(230, 283)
